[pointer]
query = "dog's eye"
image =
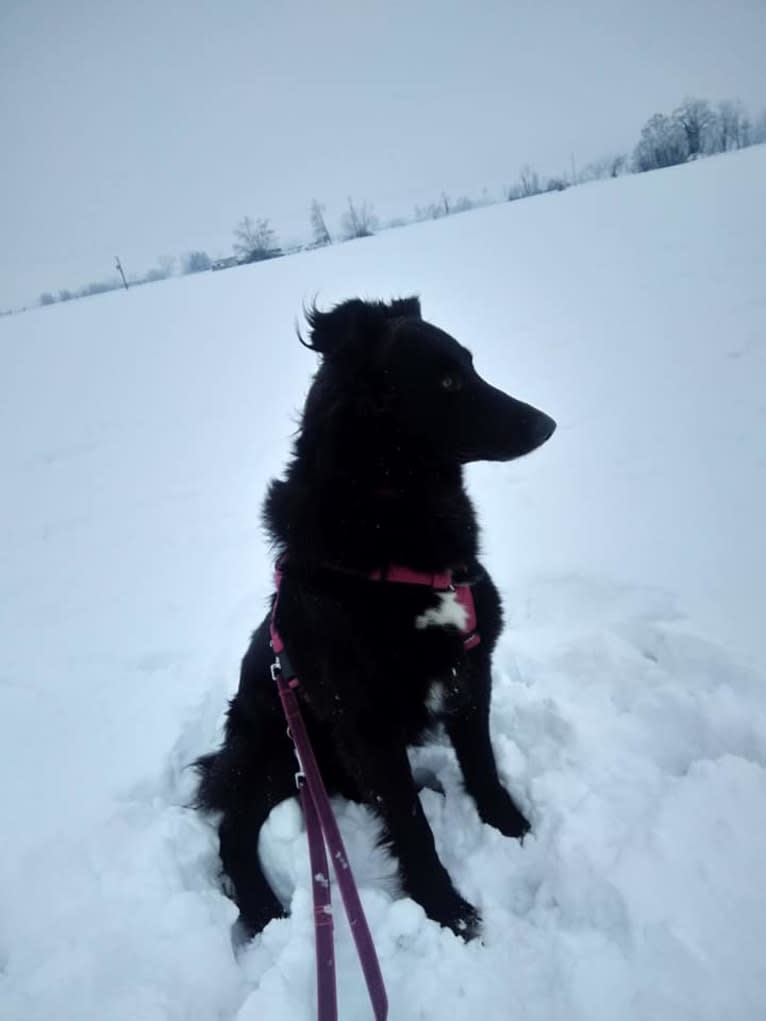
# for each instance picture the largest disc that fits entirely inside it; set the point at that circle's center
(451, 382)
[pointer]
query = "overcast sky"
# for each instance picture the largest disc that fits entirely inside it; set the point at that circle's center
(149, 127)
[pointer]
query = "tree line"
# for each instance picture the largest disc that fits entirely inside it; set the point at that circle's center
(694, 129)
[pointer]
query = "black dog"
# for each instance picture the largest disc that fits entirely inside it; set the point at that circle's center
(395, 410)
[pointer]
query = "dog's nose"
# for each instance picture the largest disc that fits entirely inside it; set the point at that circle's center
(544, 428)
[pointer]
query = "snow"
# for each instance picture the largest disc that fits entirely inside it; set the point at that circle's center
(137, 434)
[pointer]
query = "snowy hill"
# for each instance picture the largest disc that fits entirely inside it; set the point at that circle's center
(137, 434)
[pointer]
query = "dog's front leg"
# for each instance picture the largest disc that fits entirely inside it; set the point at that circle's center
(469, 732)
(385, 777)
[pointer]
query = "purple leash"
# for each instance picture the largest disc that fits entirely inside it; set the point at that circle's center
(322, 829)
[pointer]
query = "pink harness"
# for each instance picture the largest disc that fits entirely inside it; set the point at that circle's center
(440, 581)
(321, 827)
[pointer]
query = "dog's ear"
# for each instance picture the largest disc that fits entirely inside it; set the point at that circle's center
(330, 332)
(355, 320)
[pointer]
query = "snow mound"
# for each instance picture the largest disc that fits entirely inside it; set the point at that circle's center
(137, 435)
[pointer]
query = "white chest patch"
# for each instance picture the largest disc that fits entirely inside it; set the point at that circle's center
(448, 613)
(436, 698)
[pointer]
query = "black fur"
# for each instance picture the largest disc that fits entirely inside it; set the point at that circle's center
(394, 412)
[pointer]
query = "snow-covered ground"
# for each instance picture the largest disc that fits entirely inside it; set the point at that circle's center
(137, 435)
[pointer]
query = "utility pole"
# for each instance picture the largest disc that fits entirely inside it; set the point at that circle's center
(118, 264)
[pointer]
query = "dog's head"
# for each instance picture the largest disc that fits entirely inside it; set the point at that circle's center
(399, 372)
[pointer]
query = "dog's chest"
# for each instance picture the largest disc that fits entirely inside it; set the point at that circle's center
(441, 694)
(448, 612)
(447, 616)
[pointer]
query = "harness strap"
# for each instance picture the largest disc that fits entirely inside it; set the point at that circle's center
(441, 581)
(464, 597)
(322, 829)
(324, 942)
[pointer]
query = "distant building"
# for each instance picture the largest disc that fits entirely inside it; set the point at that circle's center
(260, 255)
(243, 260)
(226, 263)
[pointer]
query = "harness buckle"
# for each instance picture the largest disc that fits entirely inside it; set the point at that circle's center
(276, 670)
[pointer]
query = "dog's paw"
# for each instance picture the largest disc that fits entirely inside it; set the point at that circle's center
(460, 916)
(467, 923)
(247, 926)
(501, 812)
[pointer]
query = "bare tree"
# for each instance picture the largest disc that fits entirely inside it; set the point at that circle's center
(608, 166)
(65, 295)
(619, 164)
(758, 133)
(46, 298)
(529, 182)
(320, 233)
(745, 138)
(101, 287)
(527, 185)
(662, 144)
(445, 206)
(358, 221)
(733, 126)
(255, 241)
(195, 262)
(462, 204)
(559, 183)
(152, 276)
(163, 270)
(433, 211)
(728, 123)
(698, 123)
